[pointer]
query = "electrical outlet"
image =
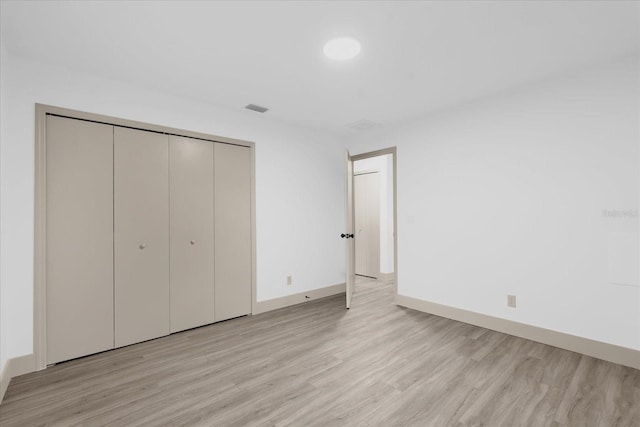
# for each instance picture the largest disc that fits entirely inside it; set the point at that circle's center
(289, 280)
(511, 301)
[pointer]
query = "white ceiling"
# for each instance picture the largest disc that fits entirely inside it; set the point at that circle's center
(417, 57)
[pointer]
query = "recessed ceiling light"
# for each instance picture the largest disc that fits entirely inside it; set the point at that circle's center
(342, 48)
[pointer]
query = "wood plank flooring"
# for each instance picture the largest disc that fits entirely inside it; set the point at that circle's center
(317, 364)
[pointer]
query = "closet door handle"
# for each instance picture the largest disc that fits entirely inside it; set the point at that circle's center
(193, 242)
(142, 246)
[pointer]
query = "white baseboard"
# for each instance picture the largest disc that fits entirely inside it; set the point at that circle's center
(286, 301)
(14, 367)
(601, 350)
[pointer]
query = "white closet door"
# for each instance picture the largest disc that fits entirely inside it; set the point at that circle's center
(192, 250)
(79, 241)
(367, 213)
(232, 231)
(141, 233)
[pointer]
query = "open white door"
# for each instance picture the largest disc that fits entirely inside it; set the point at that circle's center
(350, 223)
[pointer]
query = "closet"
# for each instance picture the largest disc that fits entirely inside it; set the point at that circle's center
(147, 233)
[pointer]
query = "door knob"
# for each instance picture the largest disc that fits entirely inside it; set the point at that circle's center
(193, 242)
(142, 246)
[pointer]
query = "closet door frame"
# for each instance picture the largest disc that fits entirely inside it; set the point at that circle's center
(40, 214)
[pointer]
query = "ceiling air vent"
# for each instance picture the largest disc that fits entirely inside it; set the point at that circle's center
(363, 124)
(257, 108)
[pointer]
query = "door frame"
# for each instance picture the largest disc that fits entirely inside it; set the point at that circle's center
(40, 204)
(394, 160)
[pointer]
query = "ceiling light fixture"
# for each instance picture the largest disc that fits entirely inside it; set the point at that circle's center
(342, 48)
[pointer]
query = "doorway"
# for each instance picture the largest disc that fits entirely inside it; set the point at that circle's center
(373, 250)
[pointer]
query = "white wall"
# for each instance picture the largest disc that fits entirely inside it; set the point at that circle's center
(506, 196)
(297, 171)
(384, 164)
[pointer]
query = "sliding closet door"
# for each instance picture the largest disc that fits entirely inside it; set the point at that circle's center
(141, 235)
(79, 241)
(232, 231)
(191, 190)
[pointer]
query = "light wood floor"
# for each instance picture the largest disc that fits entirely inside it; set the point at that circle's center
(319, 364)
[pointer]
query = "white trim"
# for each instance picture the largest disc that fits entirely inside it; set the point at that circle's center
(601, 350)
(15, 367)
(366, 172)
(286, 301)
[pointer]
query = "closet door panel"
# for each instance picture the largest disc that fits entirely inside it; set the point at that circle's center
(141, 235)
(192, 251)
(79, 241)
(232, 231)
